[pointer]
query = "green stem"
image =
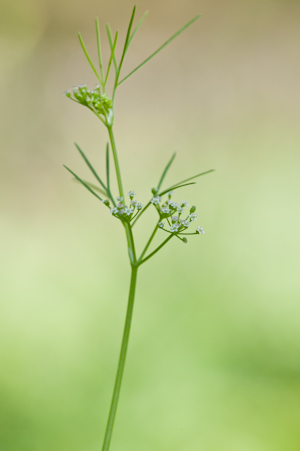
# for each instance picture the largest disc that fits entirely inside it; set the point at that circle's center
(129, 236)
(148, 244)
(144, 209)
(115, 155)
(156, 250)
(122, 358)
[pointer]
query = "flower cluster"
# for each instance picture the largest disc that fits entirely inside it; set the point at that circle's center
(100, 103)
(124, 212)
(172, 211)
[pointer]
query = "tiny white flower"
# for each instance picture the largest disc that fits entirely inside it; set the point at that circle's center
(174, 205)
(156, 200)
(193, 216)
(160, 224)
(174, 228)
(119, 199)
(139, 206)
(184, 203)
(128, 211)
(174, 218)
(170, 193)
(165, 210)
(180, 210)
(133, 203)
(131, 194)
(199, 230)
(114, 211)
(185, 223)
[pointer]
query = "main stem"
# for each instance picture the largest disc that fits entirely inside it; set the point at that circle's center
(122, 358)
(129, 236)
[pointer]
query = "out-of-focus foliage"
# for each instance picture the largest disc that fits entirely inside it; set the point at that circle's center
(213, 362)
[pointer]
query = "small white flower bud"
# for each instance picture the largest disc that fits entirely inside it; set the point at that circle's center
(131, 194)
(174, 227)
(193, 216)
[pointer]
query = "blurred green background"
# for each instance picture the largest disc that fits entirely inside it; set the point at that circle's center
(213, 363)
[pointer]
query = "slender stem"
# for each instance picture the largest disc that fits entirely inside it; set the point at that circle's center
(115, 155)
(142, 211)
(122, 358)
(148, 244)
(156, 250)
(129, 236)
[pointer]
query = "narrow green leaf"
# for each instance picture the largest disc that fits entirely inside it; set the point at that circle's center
(191, 178)
(108, 30)
(83, 183)
(136, 29)
(112, 56)
(90, 166)
(99, 49)
(107, 167)
(165, 171)
(126, 42)
(87, 57)
(175, 187)
(159, 49)
(95, 187)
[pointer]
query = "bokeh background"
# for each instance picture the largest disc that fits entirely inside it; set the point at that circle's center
(214, 362)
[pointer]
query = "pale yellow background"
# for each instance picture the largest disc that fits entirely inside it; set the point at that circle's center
(214, 362)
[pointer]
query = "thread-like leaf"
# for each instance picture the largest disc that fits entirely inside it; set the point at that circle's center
(109, 35)
(165, 171)
(126, 42)
(90, 167)
(83, 183)
(94, 187)
(159, 49)
(99, 49)
(175, 187)
(136, 29)
(87, 57)
(191, 178)
(112, 56)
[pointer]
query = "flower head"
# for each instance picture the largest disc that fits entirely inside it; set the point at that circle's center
(174, 227)
(193, 216)
(156, 200)
(165, 210)
(131, 194)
